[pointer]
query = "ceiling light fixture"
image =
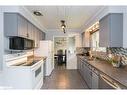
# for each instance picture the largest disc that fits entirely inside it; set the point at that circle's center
(37, 13)
(63, 26)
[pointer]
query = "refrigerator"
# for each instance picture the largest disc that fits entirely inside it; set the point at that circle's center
(46, 49)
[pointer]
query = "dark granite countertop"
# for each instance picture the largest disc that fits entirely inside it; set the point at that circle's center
(117, 74)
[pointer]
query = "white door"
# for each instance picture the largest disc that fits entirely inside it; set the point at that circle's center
(71, 53)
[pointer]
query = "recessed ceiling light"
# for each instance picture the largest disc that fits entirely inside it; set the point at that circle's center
(37, 13)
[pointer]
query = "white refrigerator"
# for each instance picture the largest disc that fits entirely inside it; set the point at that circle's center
(46, 49)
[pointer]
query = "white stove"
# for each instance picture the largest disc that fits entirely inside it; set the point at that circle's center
(21, 75)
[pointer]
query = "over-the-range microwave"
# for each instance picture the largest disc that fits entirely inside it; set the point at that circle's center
(19, 43)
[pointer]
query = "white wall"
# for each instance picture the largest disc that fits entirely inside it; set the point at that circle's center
(56, 33)
(69, 32)
(52, 33)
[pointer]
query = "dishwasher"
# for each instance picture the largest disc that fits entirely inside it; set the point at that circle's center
(106, 82)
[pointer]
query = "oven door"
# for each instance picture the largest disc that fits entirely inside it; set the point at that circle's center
(37, 74)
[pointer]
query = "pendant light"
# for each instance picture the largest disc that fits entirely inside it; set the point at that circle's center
(63, 26)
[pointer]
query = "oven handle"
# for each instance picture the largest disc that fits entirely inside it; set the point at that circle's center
(110, 82)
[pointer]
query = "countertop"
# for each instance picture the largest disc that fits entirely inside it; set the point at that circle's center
(30, 60)
(117, 74)
(35, 59)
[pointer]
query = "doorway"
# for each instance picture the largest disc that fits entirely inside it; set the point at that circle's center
(60, 52)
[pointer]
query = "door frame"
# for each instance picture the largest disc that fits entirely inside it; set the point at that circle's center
(54, 45)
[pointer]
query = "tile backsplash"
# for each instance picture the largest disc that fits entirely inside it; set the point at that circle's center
(81, 50)
(121, 52)
(104, 55)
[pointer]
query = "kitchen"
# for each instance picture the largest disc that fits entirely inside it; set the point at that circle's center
(95, 40)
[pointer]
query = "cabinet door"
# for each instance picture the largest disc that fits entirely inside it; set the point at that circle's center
(116, 30)
(104, 35)
(36, 33)
(89, 78)
(35, 36)
(10, 24)
(94, 80)
(88, 75)
(40, 35)
(83, 39)
(78, 63)
(84, 71)
(81, 67)
(30, 31)
(43, 36)
(87, 39)
(22, 26)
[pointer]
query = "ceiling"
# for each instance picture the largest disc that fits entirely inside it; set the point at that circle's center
(75, 16)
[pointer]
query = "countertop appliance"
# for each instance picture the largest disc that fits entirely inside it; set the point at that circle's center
(46, 49)
(19, 43)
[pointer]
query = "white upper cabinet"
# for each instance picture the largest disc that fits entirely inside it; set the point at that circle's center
(111, 30)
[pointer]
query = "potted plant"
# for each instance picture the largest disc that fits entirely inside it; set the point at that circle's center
(115, 60)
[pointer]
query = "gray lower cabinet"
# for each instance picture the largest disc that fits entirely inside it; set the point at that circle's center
(111, 30)
(95, 79)
(78, 65)
(90, 76)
